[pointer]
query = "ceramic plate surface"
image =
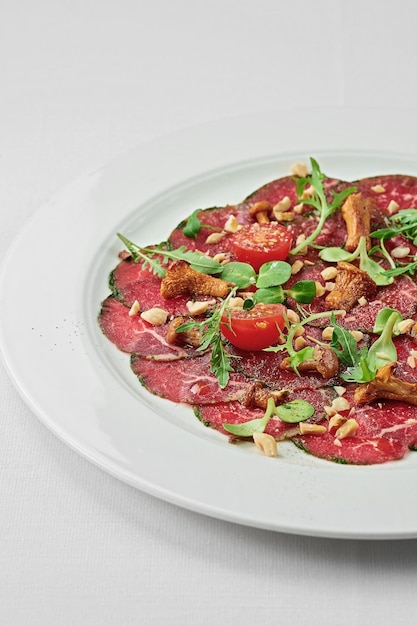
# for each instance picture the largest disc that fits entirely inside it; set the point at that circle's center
(82, 387)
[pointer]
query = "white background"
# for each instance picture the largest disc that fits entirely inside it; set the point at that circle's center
(81, 82)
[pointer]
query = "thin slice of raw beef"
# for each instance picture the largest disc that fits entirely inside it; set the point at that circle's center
(133, 334)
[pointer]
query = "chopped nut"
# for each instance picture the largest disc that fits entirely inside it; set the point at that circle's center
(281, 206)
(329, 286)
(266, 443)
(215, 237)
(339, 390)
(298, 208)
(386, 386)
(351, 284)
(362, 301)
(155, 316)
(400, 252)
(356, 211)
(308, 192)
(340, 404)
(181, 279)
(261, 211)
(320, 290)
(299, 331)
(231, 224)
(348, 429)
(236, 302)
(336, 420)
(297, 266)
(329, 273)
(411, 361)
(327, 333)
(300, 239)
(198, 307)
(405, 326)
(392, 207)
(299, 343)
(285, 216)
(222, 257)
(378, 189)
(357, 335)
(134, 309)
(293, 316)
(311, 429)
(299, 169)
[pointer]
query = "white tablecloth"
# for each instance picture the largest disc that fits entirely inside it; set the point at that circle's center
(82, 82)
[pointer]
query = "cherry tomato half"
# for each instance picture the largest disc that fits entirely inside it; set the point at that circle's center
(259, 243)
(253, 329)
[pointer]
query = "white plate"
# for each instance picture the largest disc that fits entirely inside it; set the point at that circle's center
(81, 387)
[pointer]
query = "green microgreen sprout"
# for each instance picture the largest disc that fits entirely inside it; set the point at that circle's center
(295, 411)
(296, 357)
(318, 200)
(402, 223)
(240, 274)
(366, 264)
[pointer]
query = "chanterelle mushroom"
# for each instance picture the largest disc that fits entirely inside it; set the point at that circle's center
(351, 283)
(258, 395)
(386, 386)
(188, 337)
(356, 211)
(324, 361)
(261, 211)
(181, 279)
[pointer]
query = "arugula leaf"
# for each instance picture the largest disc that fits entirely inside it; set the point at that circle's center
(399, 270)
(363, 365)
(343, 344)
(318, 201)
(193, 225)
(220, 361)
(404, 222)
(199, 262)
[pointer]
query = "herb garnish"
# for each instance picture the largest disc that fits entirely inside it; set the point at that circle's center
(293, 412)
(296, 357)
(220, 360)
(361, 367)
(318, 200)
(378, 274)
(193, 225)
(150, 257)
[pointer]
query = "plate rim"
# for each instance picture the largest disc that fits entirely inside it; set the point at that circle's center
(85, 189)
